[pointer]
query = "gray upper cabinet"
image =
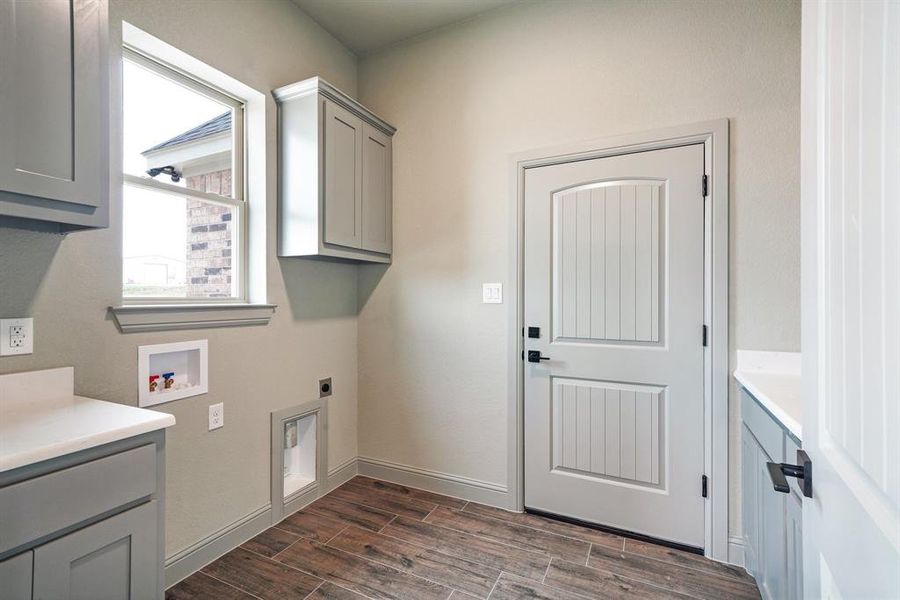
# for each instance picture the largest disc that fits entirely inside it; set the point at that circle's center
(334, 175)
(343, 177)
(54, 107)
(376, 210)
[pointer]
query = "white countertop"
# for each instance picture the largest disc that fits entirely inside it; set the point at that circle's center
(773, 378)
(42, 418)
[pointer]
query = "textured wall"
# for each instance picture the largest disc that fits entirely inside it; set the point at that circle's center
(66, 284)
(433, 359)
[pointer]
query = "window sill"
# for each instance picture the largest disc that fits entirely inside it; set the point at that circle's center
(163, 317)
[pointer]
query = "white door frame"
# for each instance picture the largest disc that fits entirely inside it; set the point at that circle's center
(714, 136)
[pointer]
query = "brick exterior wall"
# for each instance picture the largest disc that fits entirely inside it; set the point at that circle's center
(209, 257)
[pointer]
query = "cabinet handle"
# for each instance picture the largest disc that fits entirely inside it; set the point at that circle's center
(779, 472)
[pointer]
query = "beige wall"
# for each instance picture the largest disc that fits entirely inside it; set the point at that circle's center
(66, 284)
(432, 358)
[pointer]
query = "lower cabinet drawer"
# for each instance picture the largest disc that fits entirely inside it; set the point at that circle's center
(53, 502)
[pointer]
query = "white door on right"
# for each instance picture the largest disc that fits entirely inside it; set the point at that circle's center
(851, 297)
(614, 303)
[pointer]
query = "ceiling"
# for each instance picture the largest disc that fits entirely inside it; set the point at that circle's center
(365, 26)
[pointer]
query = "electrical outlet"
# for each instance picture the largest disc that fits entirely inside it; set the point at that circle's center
(325, 387)
(16, 336)
(216, 415)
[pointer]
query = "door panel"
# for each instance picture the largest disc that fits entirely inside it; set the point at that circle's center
(53, 94)
(607, 253)
(794, 546)
(53, 117)
(376, 221)
(772, 574)
(608, 430)
(750, 489)
(343, 177)
(110, 560)
(614, 279)
(850, 153)
(15, 576)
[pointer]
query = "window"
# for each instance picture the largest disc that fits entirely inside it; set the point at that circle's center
(184, 206)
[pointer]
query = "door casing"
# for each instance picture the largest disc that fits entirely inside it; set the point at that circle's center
(714, 137)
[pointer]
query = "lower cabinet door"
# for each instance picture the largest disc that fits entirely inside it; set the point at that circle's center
(794, 530)
(15, 577)
(750, 502)
(772, 542)
(111, 560)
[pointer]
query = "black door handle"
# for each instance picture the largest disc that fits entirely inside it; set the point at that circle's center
(535, 356)
(779, 472)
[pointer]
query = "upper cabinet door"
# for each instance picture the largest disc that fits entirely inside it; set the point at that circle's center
(343, 177)
(54, 105)
(376, 221)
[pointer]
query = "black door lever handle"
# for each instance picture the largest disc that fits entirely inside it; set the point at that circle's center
(778, 479)
(535, 356)
(779, 472)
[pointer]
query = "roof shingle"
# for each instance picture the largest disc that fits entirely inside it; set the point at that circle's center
(215, 125)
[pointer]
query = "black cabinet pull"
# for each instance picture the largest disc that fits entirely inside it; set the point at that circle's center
(779, 472)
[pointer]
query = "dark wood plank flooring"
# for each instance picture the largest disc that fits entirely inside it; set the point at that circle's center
(379, 540)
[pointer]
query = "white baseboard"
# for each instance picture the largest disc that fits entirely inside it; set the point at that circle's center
(341, 474)
(434, 481)
(736, 550)
(196, 556)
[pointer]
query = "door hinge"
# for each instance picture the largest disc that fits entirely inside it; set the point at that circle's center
(705, 186)
(705, 336)
(704, 484)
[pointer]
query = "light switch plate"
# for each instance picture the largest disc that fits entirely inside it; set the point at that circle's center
(492, 293)
(16, 336)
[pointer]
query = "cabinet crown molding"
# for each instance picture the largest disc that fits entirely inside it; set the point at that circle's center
(317, 85)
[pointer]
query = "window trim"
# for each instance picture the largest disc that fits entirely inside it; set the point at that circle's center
(238, 200)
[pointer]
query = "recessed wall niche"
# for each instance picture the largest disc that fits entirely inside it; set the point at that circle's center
(299, 461)
(168, 372)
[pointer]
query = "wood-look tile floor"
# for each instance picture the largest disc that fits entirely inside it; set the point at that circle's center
(373, 539)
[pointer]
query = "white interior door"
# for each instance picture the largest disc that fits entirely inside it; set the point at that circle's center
(851, 297)
(614, 283)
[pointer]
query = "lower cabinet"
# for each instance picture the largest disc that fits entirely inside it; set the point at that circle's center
(772, 520)
(751, 505)
(86, 526)
(793, 528)
(16, 576)
(112, 559)
(794, 546)
(772, 536)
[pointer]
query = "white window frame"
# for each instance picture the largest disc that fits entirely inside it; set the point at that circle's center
(238, 201)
